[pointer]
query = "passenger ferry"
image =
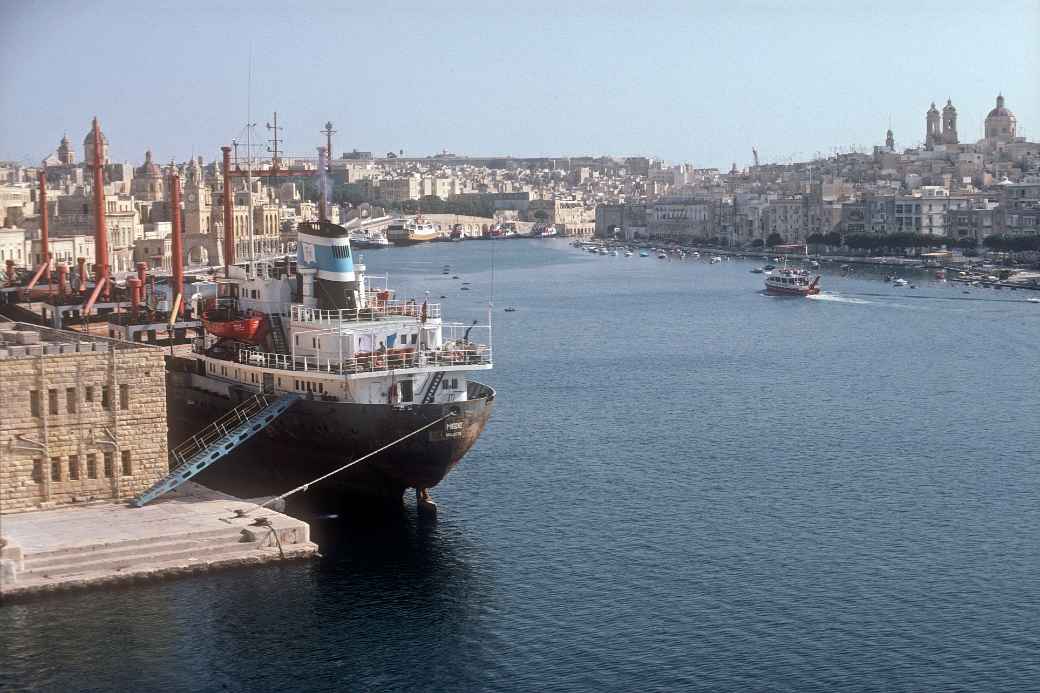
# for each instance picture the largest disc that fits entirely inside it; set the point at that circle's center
(411, 231)
(789, 281)
(368, 367)
(371, 240)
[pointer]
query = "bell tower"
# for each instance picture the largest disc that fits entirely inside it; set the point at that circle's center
(949, 123)
(198, 199)
(932, 134)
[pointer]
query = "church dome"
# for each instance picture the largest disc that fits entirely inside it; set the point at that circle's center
(1000, 111)
(89, 139)
(149, 169)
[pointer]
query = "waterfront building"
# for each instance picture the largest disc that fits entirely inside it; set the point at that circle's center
(16, 247)
(976, 220)
(623, 220)
(680, 218)
(84, 418)
(569, 216)
(392, 190)
(17, 202)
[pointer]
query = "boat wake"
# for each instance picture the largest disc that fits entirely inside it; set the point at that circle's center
(838, 298)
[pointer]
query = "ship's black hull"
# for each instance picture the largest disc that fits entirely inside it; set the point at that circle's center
(315, 437)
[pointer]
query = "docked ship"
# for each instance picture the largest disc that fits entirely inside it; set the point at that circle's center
(411, 231)
(368, 369)
(789, 281)
(543, 231)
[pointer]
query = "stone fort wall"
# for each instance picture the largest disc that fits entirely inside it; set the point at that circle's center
(80, 420)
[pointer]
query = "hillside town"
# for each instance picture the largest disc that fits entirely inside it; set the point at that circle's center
(959, 188)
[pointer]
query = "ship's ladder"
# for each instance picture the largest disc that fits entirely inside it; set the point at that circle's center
(277, 334)
(218, 439)
(431, 391)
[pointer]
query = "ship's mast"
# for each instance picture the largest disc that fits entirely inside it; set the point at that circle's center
(249, 203)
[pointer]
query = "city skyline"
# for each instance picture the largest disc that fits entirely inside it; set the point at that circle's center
(573, 83)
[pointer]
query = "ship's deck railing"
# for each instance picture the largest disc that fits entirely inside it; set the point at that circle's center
(457, 353)
(376, 310)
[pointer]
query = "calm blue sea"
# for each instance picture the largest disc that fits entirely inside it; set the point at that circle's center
(686, 485)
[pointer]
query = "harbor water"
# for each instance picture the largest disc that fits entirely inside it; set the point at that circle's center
(685, 485)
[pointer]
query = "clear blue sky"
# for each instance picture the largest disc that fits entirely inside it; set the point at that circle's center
(698, 82)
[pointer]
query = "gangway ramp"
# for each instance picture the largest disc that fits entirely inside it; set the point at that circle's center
(218, 440)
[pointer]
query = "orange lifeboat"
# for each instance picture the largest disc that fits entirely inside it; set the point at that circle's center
(249, 327)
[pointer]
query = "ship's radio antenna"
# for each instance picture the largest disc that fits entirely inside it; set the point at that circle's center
(275, 141)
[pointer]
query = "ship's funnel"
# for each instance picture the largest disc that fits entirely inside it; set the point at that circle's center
(325, 247)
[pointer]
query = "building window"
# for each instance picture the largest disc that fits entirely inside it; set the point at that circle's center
(124, 396)
(88, 393)
(70, 400)
(106, 397)
(74, 467)
(52, 402)
(110, 465)
(34, 402)
(127, 467)
(91, 465)
(37, 472)
(55, 469)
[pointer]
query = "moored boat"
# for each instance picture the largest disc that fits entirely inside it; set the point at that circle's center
(369, 369)
(411, 231)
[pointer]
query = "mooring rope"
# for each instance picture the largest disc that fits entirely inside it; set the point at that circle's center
(304, 487)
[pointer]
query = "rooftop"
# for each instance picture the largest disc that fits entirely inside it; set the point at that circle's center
(24, 340)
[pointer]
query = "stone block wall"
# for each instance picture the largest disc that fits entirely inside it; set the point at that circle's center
(81, 426)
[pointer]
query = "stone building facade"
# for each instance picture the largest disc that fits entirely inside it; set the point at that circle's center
(83, 418)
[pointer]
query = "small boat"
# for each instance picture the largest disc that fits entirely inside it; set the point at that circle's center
(940, 275)
(613, 253)
(250, 326)
(628, 253)
(768, 268)
(465, 288)
(662, 256)
(510, 310)
(1033, 300)
(715, 259)
(900, 282)
(643, 253)
(443, 296)
(792, 282)
(757, 270)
